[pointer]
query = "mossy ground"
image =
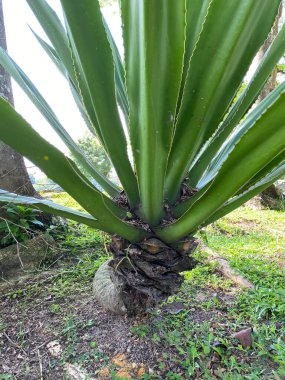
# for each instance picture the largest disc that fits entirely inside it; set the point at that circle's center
(189, 337)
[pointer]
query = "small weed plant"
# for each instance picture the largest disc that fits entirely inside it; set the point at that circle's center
(18, 224)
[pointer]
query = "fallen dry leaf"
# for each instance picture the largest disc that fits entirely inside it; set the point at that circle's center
(104, 373)
(75, 372)
(141, 371)
(123, 374)
(244, 337)
(54, 348)
(120, 360)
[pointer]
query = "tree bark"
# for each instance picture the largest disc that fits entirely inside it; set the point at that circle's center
(13, 173)
(270, 197)
(272, 81)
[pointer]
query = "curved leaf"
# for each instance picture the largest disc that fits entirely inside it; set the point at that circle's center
(262, 142)
(58, 37)
(240, 199)
(54, 30)
(230, 143)
(232, 33)
(27, 86)
(96, 69)
(62, 69)
(243, 104)
(62, 171)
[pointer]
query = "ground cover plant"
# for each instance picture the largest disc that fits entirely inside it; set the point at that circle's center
(196, 155)
(18, 224)
(189, 337)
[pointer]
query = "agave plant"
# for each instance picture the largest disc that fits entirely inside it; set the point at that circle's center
(197, 152)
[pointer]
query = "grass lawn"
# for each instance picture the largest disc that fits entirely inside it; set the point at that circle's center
(189, 337)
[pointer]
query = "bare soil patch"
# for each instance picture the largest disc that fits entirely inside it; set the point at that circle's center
(95, 341)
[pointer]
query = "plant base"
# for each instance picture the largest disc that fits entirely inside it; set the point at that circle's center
(141, 275)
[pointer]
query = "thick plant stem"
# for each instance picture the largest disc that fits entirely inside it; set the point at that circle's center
(149, 272)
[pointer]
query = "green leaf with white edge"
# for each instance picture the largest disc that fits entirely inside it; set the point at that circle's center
(262, 142)
(32, 92)
(54, 30)
(242, 105)
(196, 11)
(230, 143)
(119, 73)
(60, 66)
(62, 171)
(231, 43)
(50, 207)
(58, 37)
(154, 34)
(85, 28)
(50, 51)
(276, 162)
(119, 76)
(57, 34)
(240, 199)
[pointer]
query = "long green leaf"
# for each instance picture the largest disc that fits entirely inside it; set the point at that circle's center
(85, 28)
(262, 142)
(276, 162)
(181, 208)
(154, 33)
(206, 181)
(119, 76)
(28, 87)
(232, 33)
(257, 188)
(230, 143)
(50, 51)
(243, 104)
(119, 73)
(57, 35)
(196, 11)
(63, 171)
(54, 30)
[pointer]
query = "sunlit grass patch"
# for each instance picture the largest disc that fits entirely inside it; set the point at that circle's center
(63, 199)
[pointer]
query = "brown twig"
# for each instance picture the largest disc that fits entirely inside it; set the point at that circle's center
(14, 344)
(40, 363)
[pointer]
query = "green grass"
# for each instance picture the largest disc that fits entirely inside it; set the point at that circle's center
(254, 243)
(63, 199)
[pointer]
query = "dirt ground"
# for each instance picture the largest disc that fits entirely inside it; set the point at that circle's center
(41, 341)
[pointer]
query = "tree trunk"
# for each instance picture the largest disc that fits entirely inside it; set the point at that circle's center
(270, 197)
(272, 81)
(13, 173)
